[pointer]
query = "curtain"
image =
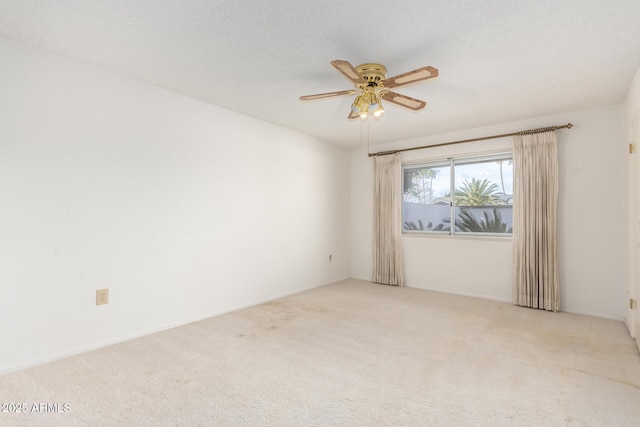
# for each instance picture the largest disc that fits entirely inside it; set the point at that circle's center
(535, 263)
(387, 221)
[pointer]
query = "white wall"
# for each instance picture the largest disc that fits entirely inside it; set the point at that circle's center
(182, 209)
(592, 217)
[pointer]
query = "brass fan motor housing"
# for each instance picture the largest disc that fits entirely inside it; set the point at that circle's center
(372, 73)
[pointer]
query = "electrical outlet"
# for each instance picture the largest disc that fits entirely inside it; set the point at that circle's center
(102, 296)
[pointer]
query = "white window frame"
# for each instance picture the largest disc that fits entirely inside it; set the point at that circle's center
(452, 162)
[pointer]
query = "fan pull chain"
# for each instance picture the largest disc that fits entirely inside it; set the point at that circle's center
(368, 137)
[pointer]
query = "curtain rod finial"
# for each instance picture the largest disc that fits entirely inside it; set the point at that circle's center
(569, 126)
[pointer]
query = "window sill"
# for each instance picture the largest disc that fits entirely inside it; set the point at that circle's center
(491, 237)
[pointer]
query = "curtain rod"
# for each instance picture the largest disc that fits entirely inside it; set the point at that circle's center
(523, 132)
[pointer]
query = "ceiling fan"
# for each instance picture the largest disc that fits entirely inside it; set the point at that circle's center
(372, 86)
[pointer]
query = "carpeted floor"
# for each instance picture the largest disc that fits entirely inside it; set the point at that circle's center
(350, 353)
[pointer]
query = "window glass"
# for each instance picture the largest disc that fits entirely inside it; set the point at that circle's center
(427, 198)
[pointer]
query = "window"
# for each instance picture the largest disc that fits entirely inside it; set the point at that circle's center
(474, 194)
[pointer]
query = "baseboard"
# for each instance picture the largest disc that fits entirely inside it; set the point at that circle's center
(626, 323)
(508, 300)
(591, 314)
(463, 294)
(106, 343)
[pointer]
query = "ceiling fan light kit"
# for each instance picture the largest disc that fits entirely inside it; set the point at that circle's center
(372, 86)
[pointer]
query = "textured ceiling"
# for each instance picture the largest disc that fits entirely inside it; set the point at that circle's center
(498, 60)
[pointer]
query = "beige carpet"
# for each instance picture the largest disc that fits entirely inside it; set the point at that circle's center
(350, 353)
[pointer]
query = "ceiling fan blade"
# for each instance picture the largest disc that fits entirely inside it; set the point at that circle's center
(404, 101)
(414, 76)
(353, 115)
(327, 95)
(348, 71)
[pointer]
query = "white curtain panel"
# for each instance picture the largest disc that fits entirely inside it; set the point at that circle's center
(387, 221)
(535, 206)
